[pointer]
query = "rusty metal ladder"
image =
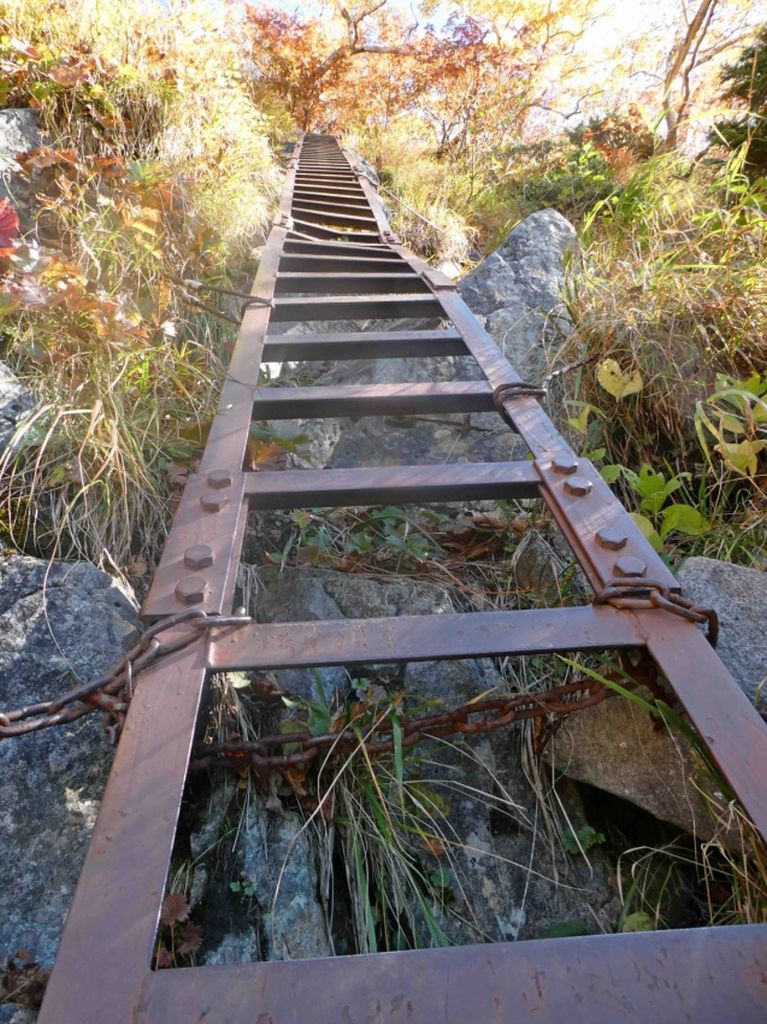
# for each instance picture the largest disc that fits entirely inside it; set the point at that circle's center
(331, 254)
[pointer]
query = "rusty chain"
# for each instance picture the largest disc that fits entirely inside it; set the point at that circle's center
(110, 693)
(550, 708)
(638, 594)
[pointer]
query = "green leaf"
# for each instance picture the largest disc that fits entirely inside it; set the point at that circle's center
(617, 383)
(638, 922)
(442, 878)
(684, 519)
(581, 421)
(611, 473)
(647, 529)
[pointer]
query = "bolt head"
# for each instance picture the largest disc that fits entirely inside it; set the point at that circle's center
(578, 485)
(564, 464)
(191, 590)
(213, 501)
(627, 565)
(199, 556)
(611, 539)
(220, 478)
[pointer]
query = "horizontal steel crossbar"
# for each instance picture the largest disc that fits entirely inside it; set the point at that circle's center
(103, 969)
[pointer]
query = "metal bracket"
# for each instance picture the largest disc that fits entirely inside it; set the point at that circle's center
(438, 281)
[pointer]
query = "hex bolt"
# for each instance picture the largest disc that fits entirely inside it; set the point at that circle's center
(611, 539)
(578, 485)
(199, 556)
(220, 478)
(564, 464)
(191, 590)
(213, 502)
(629, 566)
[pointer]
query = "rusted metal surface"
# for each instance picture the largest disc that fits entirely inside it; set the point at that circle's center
(330, 227)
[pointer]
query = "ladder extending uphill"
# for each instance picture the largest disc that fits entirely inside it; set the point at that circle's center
(331, 255)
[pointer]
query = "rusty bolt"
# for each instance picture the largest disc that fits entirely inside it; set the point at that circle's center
(611, 539)
(564, 464)
(199, 556)
(578, 485)
(220, 478)
(629, 566)
(191, 590)
(213, 502)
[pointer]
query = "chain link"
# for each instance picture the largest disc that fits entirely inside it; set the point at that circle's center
(263, 755)
(111, 692)
(637, 594)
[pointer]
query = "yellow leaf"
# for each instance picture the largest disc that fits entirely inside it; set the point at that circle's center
(616, 382)
(742, 456)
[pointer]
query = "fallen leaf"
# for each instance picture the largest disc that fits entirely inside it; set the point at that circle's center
(174, 908)
(191, 938)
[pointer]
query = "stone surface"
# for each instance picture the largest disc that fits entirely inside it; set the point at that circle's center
(739, 596)
(60, 623)
(11, 1014)
(19, 131)
(518, 290)
(280, 863)
(15, 401)
(616, 746)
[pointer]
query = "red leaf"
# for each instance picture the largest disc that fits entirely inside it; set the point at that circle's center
(191, 938)
(9, 226)
(174, 908)
(164, 959)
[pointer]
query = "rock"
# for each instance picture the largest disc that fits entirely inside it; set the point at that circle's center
(739, 597)
(236, 947)
(505, 875)
(278, 861)
(616, 746)
(15, 401)
(494, 894)
(12, 1014)
(19, 131)
(59, 623)
(518, 290)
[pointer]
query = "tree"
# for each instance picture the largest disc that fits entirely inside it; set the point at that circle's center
(746, 82)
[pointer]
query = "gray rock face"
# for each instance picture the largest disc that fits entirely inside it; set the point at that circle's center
(504, 878)
(518, 290)
(279, 862)
(616, 746)
(19, 131)
(59, 623)
(739, 596)
(15, 401)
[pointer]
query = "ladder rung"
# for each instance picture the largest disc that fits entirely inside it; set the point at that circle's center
(372, 400)
(345, 283)
(330, 307)
(342, 192)
(326, 247)
(423, 638)
(306, 204)
(337, 488)
(320, 231)
(338, 219)
(362, 345)
(354, 264)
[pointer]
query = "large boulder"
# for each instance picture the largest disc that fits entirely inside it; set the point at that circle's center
(619, 747)
(518, 291)
(60, 623)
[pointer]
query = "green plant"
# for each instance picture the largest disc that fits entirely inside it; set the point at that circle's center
(582, 839)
